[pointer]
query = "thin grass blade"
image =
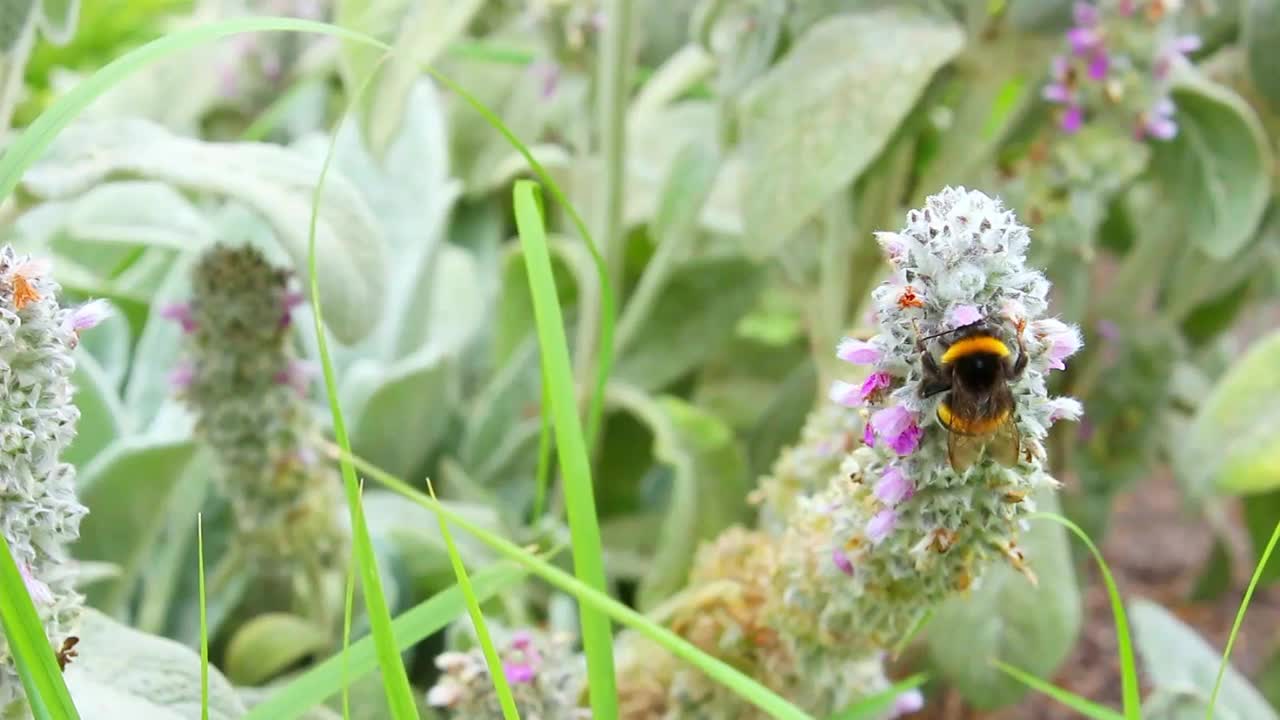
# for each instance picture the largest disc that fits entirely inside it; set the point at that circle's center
(571, 446)
(32, 653)
(1235, 626)
(873, 707)
(1085, 707)
(204, 622)
(1124, 642)
(496, 674)
(716, 669)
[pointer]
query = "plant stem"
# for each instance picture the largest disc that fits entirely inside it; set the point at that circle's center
(613, 76)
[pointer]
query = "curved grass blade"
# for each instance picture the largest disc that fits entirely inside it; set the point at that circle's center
(323, 681)
(32, 654)
(204, 622)
(1085, 707)
(1124, 643)
(716, 669)
(873, 707)
(571, 447)
(496, 673)
(1235, 626)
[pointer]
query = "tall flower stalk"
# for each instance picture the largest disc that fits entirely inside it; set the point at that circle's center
(248, 389)
(39, 515)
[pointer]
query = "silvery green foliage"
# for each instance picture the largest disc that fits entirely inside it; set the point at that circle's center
(897, 530)
(40, 514)
(248, 391)
(547, 679)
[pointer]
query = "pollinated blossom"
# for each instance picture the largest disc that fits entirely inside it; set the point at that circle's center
(1119, 61)
(40, 514)
(242, 378)
(546, 678)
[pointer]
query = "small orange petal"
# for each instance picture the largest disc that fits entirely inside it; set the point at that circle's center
(23, 293)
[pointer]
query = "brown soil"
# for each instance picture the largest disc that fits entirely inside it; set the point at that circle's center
(1156, 550)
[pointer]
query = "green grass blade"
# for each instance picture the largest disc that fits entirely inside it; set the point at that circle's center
(1085, 707)
(275, 113)
(1235, 626)
(325, 680)
(32, 654)
(873, 707)
(400, 695)
(204, 621)
(716, 669)
(35, 139)
(543, 478)
(496, 674)
(571, 446)
(1124, 642)
(608, 312)
(348, 610)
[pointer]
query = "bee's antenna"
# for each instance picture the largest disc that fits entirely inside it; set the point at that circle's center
(954, 329)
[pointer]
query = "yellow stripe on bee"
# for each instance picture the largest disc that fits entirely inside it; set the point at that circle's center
(973, 345)
(966, 426)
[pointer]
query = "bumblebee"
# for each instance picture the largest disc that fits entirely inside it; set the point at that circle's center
(975, 371)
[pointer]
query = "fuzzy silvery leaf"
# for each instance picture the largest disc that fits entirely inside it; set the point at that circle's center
(119, 528)
(138, 212)
(121, 672)
(102, 417)
(269, 644)
(1178, 660)
(1233, 443)
(1260, 28)
(1217, 167)
(709, 480)
(1032, 627)
(158, 348)
(814, 121)
(275, 182)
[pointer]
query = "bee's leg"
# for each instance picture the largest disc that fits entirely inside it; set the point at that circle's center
(934, 381)
(1014, 371)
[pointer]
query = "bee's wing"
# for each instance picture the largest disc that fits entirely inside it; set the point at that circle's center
(1001, 445)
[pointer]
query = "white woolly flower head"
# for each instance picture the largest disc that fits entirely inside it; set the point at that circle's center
(898, 529)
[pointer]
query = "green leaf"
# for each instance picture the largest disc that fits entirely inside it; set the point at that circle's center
(119, 529)
(138, 212)
(694, 313)
(707, 491)
(1032, 627)
(419, 32)
(58, 20)
(123, 674)
(111, 345)
(274, 181)
(326, 679)
(1217, 167)
(1233, 445)
(102, 418)
(270, 644)
(816, 119)
(1261, 514)
(1178, 659)
(1260, 31)
(1215, 575)
(158, 349)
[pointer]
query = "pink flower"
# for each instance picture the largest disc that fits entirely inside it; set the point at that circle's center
(297, 375)
(894, 487)
(858, 352)
(1098, 66)
(292, 299)
(1065, 408)
(908, 702)
(961, 315)
(1125, 8)
(1056, 93)
(892, 244)
(37, 589)
(846, 394)
(181, 314)
(182, 375)
(1062, 340)
(874, 383)
(868, 436)
(88, 315)
(1085, 14)
(1084, 41)
(1072, 120)
(880, 525)
(519, 673)
(842, 561)
(1158, 122)
(898, 428)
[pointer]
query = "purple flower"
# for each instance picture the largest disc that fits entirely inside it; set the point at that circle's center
(874, 383)
(1062, 340)
(842, 561)
(547, 73)
(1084, 41)
(88, 315)
(37, 589)
(292, 299)
(518, 673)
(1056, 93)
(297, 375)
(858, 352)
(1072, 119)
(182, 375)
(1159, 123)
(908, 702)
(961, 315)
(894, 487)
(1099, 63)
(868, 436)
(846, 394)
(892, 243)
(181, 314)
(1186, 44)
(897, 426)
(1108, 330)
(1065, 408)
(1125, 8)
(1085, 14)
(880, 525)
